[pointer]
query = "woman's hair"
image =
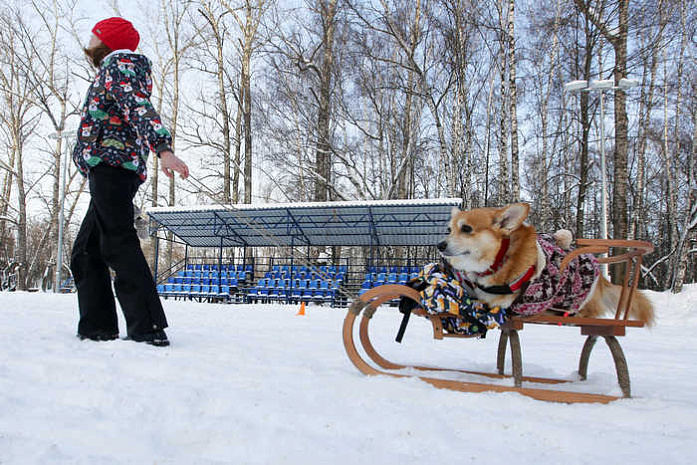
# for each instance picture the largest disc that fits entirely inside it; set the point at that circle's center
(96, 54)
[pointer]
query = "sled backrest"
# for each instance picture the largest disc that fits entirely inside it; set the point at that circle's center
(629, 253)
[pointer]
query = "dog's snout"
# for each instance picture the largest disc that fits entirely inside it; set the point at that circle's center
(442, 245)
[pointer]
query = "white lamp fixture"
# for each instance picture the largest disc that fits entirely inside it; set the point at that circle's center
(601, 85)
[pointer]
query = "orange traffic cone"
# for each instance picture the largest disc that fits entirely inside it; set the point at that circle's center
(301, 312)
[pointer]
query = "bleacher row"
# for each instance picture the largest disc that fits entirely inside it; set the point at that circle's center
(320, 284)
(377, 276)
(281, 283)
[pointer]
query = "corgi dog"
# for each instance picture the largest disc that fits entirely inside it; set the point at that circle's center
(507, 264)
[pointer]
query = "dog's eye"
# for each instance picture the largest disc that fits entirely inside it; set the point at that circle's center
(448, 230)
(466, 228)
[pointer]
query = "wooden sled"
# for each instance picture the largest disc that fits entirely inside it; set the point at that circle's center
(630, 253)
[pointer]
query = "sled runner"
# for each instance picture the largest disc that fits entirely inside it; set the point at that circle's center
(628, 252)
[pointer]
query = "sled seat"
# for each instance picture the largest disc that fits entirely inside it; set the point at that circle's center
(628, 254)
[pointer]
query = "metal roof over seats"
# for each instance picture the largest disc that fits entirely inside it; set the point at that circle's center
(355, 223)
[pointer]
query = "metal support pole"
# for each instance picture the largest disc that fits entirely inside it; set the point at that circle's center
(61, 213)
(220, 262)
(603, 179)
(289, 294)
(157, 254)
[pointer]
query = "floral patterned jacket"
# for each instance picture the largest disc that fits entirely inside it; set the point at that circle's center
(553, 289)
(119, 125)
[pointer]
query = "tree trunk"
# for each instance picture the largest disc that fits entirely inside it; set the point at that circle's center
(690, 229)
(504, 193)
(238, 151)
(621, 182)
(515, 169)
(247, 117)
(585, 136)
(323, 148)
(55, 206)
(214, 22)
(639, 216)
(21, 253)
(669, 177)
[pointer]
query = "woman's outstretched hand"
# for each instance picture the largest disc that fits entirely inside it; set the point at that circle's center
(170, 163)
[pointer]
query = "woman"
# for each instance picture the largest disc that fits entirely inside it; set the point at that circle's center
(118, 129)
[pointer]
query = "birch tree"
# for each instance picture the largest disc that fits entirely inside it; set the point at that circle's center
(613, 25)
(51, 80)
(248, 18)
(18, 117)
(513, 89)
(211, 124)
(179, 37)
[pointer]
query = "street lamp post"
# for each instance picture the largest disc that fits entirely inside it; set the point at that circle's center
(61, 210)
(601, 86)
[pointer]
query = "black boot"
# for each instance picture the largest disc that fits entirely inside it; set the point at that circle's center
(156, 338)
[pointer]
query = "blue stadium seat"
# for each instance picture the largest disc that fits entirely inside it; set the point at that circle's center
(324, 292)
(224, 292)
(307, 291)
(253, 294)
(296, 292)
(177, 290)
(195, 291)
(186, 290)
(214, 291)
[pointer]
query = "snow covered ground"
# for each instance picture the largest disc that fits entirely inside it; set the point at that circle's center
(258, 384)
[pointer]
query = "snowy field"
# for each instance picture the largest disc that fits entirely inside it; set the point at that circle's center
(258, 384)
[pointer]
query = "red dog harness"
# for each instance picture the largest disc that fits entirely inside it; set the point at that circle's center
(565, 291)
(509, 288)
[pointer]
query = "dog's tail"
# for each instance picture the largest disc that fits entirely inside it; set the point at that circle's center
(609, 296)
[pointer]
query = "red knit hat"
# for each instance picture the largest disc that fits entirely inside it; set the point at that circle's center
(117, 33)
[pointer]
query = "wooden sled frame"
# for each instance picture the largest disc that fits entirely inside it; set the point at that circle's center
(631, 254)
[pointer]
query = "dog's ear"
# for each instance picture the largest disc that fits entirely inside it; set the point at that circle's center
(511, 217)
(454, 212)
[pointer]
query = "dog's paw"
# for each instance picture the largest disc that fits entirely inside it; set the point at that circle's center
(563, 238)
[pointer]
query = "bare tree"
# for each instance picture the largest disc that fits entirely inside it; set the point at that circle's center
(513, 89)
(617, 36)
(180, 37)
(220, 113)
(18, 117)
(248, 18)
(51, 80)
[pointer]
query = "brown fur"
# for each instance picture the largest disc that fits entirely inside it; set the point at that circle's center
(474, 240)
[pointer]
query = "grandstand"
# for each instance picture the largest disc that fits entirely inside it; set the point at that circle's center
(296, 227)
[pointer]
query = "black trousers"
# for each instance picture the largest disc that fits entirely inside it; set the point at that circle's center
(108, 239)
